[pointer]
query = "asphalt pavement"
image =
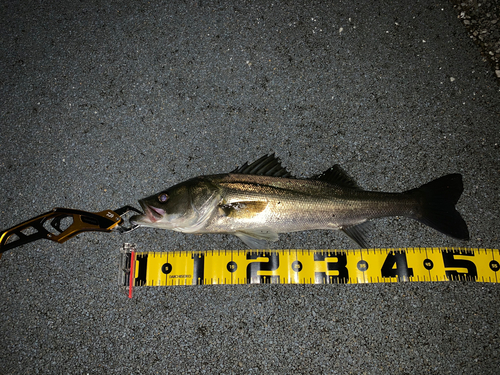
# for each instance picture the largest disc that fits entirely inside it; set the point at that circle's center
(106, 102)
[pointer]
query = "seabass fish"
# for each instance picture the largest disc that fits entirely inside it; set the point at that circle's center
(256, 202)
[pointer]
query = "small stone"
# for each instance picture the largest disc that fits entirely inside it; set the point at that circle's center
(497, 72)
(452, 79)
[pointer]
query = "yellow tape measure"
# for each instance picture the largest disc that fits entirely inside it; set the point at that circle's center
(306, 266)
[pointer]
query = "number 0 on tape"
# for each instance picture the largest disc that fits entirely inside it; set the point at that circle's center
(306, 266)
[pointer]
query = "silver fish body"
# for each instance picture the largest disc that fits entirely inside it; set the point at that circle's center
(256, 202)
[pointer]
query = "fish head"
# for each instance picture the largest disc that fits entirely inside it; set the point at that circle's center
(182, 207)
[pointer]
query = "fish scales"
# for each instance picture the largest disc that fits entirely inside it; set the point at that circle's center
(296, 205)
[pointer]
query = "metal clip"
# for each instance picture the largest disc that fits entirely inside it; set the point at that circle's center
(122, 212)
(61, 224)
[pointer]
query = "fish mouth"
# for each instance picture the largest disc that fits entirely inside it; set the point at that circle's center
(152, 213)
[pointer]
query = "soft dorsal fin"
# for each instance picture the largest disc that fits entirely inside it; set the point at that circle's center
(268, 165)
(337, 176)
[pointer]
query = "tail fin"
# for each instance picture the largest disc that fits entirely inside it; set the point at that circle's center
(437, 210)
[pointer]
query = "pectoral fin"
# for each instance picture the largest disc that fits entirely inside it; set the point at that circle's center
(243, 210)
(256, 238)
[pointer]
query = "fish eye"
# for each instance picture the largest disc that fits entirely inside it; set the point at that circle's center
(163, 197)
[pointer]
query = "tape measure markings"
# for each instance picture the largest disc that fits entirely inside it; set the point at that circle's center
(306, 266)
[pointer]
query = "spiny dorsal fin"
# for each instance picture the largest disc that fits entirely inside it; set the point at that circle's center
(268, 165)
(337, 176)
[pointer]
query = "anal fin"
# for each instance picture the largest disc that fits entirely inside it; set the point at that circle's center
(358, 233)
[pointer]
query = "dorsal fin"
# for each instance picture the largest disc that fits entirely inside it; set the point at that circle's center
(337, 176)
(268, 165)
